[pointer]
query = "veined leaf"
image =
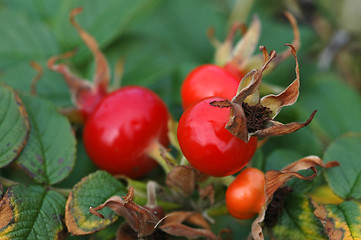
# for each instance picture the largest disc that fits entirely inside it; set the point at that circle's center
(31, 212)
(345, 180)
(49, 155)
(23, 39)
(297, 221)
(14, 125)
(91, 191)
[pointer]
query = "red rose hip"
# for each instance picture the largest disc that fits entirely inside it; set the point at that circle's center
(123, 127)
(207, 145)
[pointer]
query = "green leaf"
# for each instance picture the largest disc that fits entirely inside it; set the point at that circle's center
(338, 106)
(341, 221)
(51, 86)
(23, 40)
(35, 9)
(104, 20)
(297, 221)
(31, 212)
(14, 125)
(280, 158)
(345, 180)
(91, 191)
(49, 155)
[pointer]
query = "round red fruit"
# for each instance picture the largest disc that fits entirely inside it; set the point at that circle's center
(245, 195)
(208, 81)
(207, 145)
(123, 127)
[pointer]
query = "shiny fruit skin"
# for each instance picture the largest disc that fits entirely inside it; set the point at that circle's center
(207, 145)
(245, 195)
(208, 81)
(124, 125)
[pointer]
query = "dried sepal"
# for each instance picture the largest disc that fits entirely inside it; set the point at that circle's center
(40, 72)
(224, 49)
(296, 43)
(77, 86)
(252, 116)
(140, 219)
(102, 74)
(144, 221)
(276, 179)
(279, 129)
(173, 225)
(256, 60)
(288, 96)
(85, 95)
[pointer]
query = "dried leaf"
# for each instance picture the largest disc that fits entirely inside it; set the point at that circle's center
(276, 179)
(288, 96)
(183, 177)
(331, 230)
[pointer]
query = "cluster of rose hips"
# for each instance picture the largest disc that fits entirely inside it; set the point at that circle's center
(124, 126)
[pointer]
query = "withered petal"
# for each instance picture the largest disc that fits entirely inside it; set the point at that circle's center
(276, 179)
(278, 129)
(102, 73)
(288, 96)
(247, 88)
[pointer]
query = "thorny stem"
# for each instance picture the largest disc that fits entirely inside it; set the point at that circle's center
(63, 191)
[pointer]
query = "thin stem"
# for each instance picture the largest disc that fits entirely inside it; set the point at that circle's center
(7, 182)
(160, 154)
(63, 191)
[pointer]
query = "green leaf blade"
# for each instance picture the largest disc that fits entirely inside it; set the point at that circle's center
(91, 191)
(297, 221)
(338, 106)
(49, 156)
(345, 180)
(31, 212)
(14, 125)
(23, 39)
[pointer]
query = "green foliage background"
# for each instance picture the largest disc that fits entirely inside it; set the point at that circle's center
(161, 41)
